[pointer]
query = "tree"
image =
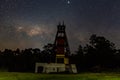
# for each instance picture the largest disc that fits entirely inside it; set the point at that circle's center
(80, 51)
(48, 53)
(100, 51)
(79, 59)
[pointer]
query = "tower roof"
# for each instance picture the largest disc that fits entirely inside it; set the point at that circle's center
(61, 27)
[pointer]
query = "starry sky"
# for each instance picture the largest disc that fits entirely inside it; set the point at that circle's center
(33, 23)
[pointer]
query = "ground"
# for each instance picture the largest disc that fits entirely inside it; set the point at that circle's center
(82, 76)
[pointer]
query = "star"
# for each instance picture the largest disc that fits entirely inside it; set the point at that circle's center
(68, 2)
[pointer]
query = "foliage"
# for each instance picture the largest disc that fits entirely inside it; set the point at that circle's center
(99, 55)
(24, 60)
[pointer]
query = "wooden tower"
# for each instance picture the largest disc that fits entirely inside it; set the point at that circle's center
(62, 49)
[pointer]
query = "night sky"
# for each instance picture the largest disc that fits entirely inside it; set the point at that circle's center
(33, 23)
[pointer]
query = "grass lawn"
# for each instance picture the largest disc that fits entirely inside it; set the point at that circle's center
(82, 76)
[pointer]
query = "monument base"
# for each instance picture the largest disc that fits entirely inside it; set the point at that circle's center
(54, 68)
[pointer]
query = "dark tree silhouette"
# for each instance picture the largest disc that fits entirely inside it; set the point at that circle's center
(99, 55)
(78, 59)
(48, 53)
(100, 52)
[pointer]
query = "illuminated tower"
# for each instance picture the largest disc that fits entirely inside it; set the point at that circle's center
(62, 49)
(62, 52)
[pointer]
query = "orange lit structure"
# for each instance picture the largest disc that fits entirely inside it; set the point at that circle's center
(61, 45)
(62, 52)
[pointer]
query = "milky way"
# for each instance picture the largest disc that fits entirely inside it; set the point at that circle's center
(33, 23)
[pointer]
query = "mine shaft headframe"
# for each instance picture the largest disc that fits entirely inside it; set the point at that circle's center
(61, 39)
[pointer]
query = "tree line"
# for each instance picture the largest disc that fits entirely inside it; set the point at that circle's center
(24, 60)
(97, 56)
